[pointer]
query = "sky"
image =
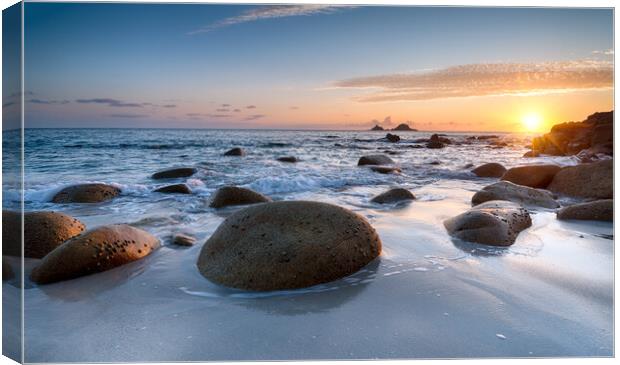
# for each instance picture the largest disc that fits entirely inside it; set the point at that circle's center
(314, 66)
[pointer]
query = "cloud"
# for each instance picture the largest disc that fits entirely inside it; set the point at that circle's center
(48, 102)
(251, 107)
(485, 80)
(110, 102)
(255, 117)
(237, 110)
(169, 106)
(224, 105)
(207, 115)
(127, 115)
(222, 110)
(606, 52)
(294, 108)
(269, 12)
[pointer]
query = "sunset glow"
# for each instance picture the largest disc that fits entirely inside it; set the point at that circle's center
(532, 122)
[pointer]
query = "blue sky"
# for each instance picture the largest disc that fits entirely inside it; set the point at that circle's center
(147, 65)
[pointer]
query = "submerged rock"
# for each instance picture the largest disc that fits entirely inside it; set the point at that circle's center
(183, 240)
(534, 176)
(435, 144)
(494, 223)
(174, 173)
(392, 137)
(385, 169)
(492, 169)
(174, 189)
(86, 193)
(288, 245)
(44, 231)
(375, 160)
(237, 151)
(393, 196)
(599, 210)
(505, 190)
(591, 180)
(290, 159)
(95, 251)
(234, 195)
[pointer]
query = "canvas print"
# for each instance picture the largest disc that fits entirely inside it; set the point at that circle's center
(228, 182)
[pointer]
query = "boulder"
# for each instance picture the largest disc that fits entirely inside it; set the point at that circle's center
(440, 138)
(505, 190)
(288, 245)
(234, 195)
(7, 270)
(174, 173)
(235, 152)
(590, 180)
(531, 154)
(534, 176)
(174, 189)
(599, 210)
(290, 159)
(44, 231)
(86, 193)
(435, 144)
(492, 169)
(183, 240)
(375, 160)
(494, 223)
(392, 138)
(94, 251)
(393, 196)
(385, 169)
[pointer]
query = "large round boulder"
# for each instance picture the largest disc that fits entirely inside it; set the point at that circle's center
(494, 223)
(505, 190)
(174, 173)
(86, 193)
(599, 210)
(393, 196)
(591, 180)
(95, 251)
(44, 231)
(237, 151)
(375, 160)
(234, 195)
(174, 189)
(534, 176)
(288, 245)
(492, 169)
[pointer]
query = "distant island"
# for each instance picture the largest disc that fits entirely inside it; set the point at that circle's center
(400, 127)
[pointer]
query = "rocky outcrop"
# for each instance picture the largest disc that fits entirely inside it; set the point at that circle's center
(494, 223)
(377, 128)
(599, 210)
(492, 169)
(86, 193)
(94, 251)
(237, 151)
(289, 159)
(590, 180)
(375, 160)
(573, 137)
(534, 176)
(288, 245)
(174, 173)
(393, 196)
(234, 195)
(392, 138)
(505, 190)
(437, 141)
(174, 189)
(44, 231)
(404, 127)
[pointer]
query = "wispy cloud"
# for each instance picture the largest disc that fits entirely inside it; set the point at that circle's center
(251, 107)
(110, 102)
(127, 115)
(606, 52)
(269, 12)
(485, 80)
(48, 102)
(254, 117)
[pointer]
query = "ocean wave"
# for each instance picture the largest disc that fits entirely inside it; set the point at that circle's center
(288, 184)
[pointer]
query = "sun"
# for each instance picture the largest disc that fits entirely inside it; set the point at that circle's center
(532, 121)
